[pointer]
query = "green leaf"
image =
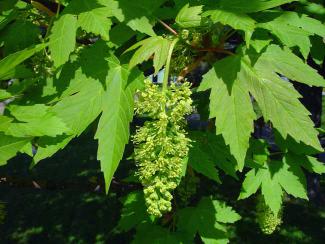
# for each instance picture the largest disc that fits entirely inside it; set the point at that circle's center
(6, 5)
(237, 21)
(292, 29)
(307, 162)
(289, 35)
(292, 179)
(259, 152)
(272, 178)
(113, 128)
(189, 16)
(314, 9)
(271, 189)
(317, 49)
(134, 211)
(80, 109)
(27, 149)
(7, 17)
(95, 22)
(93, 15)
(9, 146)
(207, 219)
(202, 163)
(19, 72)
(139, 15)
(284, 62)
(292, 146)
(8, 64)
(253, 181)
(311, 25)
(240, 6)
(63, 39)
(259, 44)
(120, 34)
(35, 120)
(4, 122)
(261, 40)
(231, 105)
(157, 46)
(278, 100)
(224, 213)
(313, 165)
(81, 101)
(4, 95)
(142, 24)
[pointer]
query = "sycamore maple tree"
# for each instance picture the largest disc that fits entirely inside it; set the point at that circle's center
(67, 65)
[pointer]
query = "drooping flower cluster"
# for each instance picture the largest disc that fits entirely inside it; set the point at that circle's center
(267, 220)
(161, 144)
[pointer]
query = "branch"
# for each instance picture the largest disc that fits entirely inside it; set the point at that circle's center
(188, 69)
(168, 27)
(227, 35)
(214, 49)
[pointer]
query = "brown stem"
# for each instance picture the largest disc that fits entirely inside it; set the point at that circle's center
(226, 36)
(214, 49)
(168, 27)
(188, 69)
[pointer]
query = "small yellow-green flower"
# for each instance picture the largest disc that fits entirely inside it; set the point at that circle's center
(161, 144)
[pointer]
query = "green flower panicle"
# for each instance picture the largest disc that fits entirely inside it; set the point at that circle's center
(161, 144)
(267, 220)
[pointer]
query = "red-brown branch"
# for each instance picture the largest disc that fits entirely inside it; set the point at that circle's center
(168, 27)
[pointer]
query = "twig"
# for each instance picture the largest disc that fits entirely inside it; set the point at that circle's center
(188, 69)
(168, 27)
(226, 36)
(214, 49)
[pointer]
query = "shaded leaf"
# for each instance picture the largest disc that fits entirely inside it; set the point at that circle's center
(48, 146)
(139, 15)
(35, 120)
(8, 64)
(28, 35)
(289, 35)
(208, 151)
(83, 107)
(241, 6)
(134, 211)
(154, 234)
(203, 219)
(237, 21)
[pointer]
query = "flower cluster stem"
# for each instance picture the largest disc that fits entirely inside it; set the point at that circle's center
(167, 68)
